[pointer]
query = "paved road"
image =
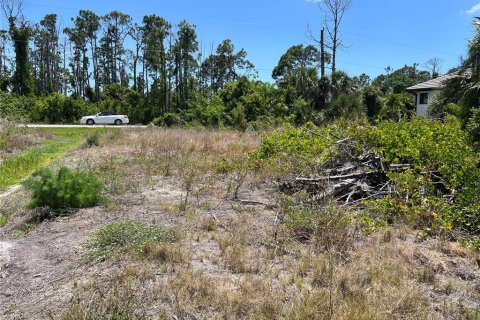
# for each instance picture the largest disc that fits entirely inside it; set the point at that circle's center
(78, 126)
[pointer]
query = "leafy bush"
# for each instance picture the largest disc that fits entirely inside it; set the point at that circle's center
(15, 108)
(439, 187)
(311, 143)
(57, 108)
(168, 119)
(346, 106)
(93, 139)
(397, 107)
(65, 189)
(125, 236)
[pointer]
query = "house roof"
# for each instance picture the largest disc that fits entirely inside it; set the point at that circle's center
(432, 84)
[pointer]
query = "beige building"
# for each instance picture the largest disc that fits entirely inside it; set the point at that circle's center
(425, 92)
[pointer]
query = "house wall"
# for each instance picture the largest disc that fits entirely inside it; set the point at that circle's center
(422, 108)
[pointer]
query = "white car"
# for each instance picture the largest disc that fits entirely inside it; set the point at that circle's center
(105, 118)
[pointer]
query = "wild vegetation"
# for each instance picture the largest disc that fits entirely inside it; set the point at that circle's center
(155, 71)
(25, 151)
(194, 227)
(321, 196)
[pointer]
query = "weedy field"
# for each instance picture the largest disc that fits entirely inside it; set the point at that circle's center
(191, 224)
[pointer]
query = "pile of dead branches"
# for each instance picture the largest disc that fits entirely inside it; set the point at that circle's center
(351, 179)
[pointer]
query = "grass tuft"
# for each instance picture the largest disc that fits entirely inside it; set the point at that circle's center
(127, 236)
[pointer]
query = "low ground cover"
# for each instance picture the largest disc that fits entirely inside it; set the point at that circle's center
(197, 227)
(18, 167)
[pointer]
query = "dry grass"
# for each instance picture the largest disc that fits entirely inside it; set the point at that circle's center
(15, 139)
(252, 261)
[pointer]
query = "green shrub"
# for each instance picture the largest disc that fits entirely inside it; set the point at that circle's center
(125, 236)
(57, 108)
(440, 190)
(168, 119)
(15, 108)
(93, 139)
(311, 143)
(65, 189)
(346, 106)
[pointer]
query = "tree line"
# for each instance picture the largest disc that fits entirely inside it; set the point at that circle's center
(154, 70)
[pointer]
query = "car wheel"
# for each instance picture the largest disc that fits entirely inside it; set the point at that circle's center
(90, 122)
(118, 122)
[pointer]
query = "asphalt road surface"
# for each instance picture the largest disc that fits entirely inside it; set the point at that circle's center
(79, 126)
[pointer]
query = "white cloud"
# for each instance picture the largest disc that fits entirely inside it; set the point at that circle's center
(474, 9)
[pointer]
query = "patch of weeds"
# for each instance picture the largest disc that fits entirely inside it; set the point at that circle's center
(16, 168)
(235, 256)
(209, 224)
(65, 189)
(189, 177)
(472, 243)
(449, 288)
(312, 305)
(371, 225)
(126, 237)
(9, 309)
(190, 290)
(163, 253)
(23, 230)
(121, 297)
(326, 226)
(4, 217)
(93, 139)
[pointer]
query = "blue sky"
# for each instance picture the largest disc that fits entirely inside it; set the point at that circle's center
(378, 33)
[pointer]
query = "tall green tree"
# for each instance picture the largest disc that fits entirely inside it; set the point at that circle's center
(398, 80)
(224, 66)
(185, 49)
(116, 27)
(155, 32)
(21, 33)
(47, 56)
(296, 72)
(79, 62)
(88, 24)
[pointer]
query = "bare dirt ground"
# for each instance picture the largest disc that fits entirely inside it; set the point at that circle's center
(233, 258)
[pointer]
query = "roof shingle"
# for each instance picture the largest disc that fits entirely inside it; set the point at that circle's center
(432, 84)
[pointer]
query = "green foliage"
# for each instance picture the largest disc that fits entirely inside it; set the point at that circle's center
(346, 106)
(397, 81)
(57, 108)
(65, 189)
(22, 81)
(297, 71)
(18, 167)
(15, 108)
(439, 110)
(93, 139)
(441, 163)
(397, 107)
(168, 120)
(427, 145)
(123, 100)
(4, 217)
(326, 226)
(372, 100)
(125, 237)
(308, 142)
(207, 113)
(300, 112)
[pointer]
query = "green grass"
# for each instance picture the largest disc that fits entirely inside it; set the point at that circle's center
(19, 167)
(4, 218)
(125, 236)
